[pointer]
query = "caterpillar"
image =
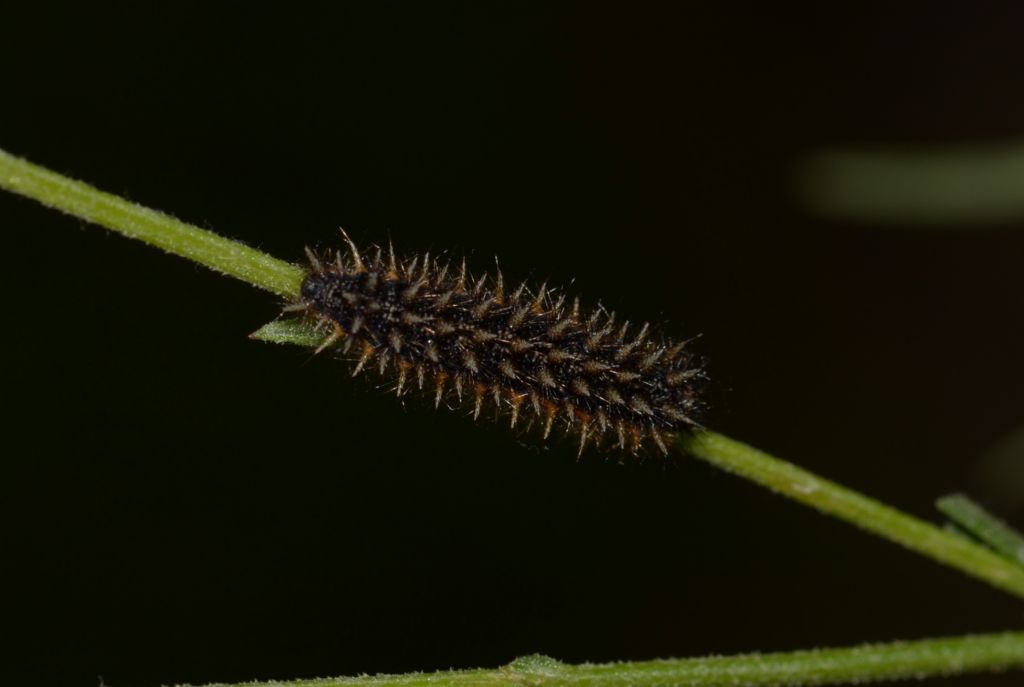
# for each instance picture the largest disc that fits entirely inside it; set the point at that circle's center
(532, 351)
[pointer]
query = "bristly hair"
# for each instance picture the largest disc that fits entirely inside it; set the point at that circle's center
(538, 356)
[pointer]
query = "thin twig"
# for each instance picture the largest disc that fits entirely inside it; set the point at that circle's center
(787, 479)
(860, 664)
(155, 228)
(872, 662)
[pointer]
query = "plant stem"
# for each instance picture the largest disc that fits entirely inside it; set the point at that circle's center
(967, 186)
(983, 525)
(830, 666)
(282, 277)
(155, 228)
(264, 271)
(867, 663)
(836, 500)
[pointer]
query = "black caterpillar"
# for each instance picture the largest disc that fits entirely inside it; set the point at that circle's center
(526, 350)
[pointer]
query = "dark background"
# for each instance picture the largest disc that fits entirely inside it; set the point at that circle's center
(182, 504)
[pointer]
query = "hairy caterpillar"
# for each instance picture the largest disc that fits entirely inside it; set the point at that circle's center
(527, 350)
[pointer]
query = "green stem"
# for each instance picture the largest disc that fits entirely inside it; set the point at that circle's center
(874, 662)
(264, 271)
(867, 663)
(836, 500)
(964, 186)
(155, 228)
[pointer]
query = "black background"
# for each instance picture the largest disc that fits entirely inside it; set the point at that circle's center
(182, 504)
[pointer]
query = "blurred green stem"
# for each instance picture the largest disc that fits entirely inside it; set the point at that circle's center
(867, 663)
(940, 656)
(965, 186)
(974, 519)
